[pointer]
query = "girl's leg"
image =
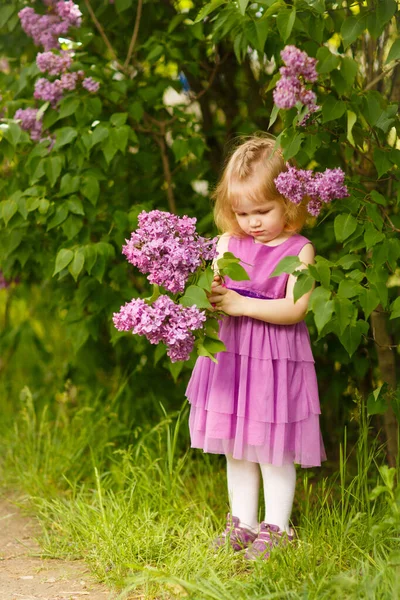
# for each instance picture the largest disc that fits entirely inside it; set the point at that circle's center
(243, 489)
(279, 485)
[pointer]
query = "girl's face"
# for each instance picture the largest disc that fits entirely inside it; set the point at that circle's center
(264, 222)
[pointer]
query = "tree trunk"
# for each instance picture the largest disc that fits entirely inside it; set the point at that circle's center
(387, 367)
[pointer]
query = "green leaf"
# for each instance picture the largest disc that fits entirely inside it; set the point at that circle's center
(348, 288)
(90, 257)
(195, 296)
(322, 307)
(326, 60)
(136, 110)
(206, 278)
(64, 257)
(369, 300)
(213, 346)
(348, 69)
(52, 168)
(235, 272)
(243, 5)
(285, 20)
(395, 309)
(274, 115)
(180, 148)
(12, 133)
(175, 368)
(351, 29)
(59, 217)
(99, 134)
(346, 313)
(377, 402)
(385, 10)
(332, 108)
(291, 145)
(209, 8)
(286, 265)
(394, 52)
(69, 184)
(344, 225)
(393, 254)
(122, 5)
(372, 236)
(75, 205)
(382, 161)
(72, 226)
(304, 283)
(68, 107)
(348, 261)
(378, 198)
(351, 337)
(374, 214)
(9, 208)
(5, 13)
(64, 136)
(118, 119)
(76, 265)
(91, 188)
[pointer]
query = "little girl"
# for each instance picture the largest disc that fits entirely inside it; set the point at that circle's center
(259, 404)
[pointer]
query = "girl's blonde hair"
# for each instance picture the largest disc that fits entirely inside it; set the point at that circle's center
(250, 171)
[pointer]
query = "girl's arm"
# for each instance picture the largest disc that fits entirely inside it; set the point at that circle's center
(283, 311)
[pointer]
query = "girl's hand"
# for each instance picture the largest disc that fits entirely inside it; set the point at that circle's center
(225, 300)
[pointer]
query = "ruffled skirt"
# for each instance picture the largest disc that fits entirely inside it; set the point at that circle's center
(260, 401)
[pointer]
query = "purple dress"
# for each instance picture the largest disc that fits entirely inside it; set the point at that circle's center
(260, 401)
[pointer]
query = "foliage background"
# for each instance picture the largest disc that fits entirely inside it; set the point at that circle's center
(179, 83)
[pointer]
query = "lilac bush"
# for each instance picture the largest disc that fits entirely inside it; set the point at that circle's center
(168, 249)
(296, 184)
(163, 321)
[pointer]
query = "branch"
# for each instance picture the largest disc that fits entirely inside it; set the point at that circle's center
(167, 172)
(101, 31)
(381, 76)
(134, 34)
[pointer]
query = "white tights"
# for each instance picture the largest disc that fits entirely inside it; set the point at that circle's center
(243, 489)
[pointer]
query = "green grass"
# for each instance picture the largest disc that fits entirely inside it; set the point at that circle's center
(142, 510)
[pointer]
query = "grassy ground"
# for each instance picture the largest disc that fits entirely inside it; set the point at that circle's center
(142, 511)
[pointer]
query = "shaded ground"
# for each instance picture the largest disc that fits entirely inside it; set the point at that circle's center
(24, 576)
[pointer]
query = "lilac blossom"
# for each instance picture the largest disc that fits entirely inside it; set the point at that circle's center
(46, 29)
(163, 321)
(296, 184)
(52, 63)
(168, 248)
(49, 91)
(90, 84)
(29, 122)
(69, 12)
(298, 63)
(69, 81)
(290, 89)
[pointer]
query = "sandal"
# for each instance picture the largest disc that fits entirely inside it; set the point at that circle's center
(238, 537)
(269, 537)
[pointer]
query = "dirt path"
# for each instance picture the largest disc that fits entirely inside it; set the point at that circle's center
(26, 577)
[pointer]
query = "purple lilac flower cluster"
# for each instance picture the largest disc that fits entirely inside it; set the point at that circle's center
(168, 248)
(53, 64)
(29, 122)
(290, 89)
(295, 184)
(46, 29)
(163, 321)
